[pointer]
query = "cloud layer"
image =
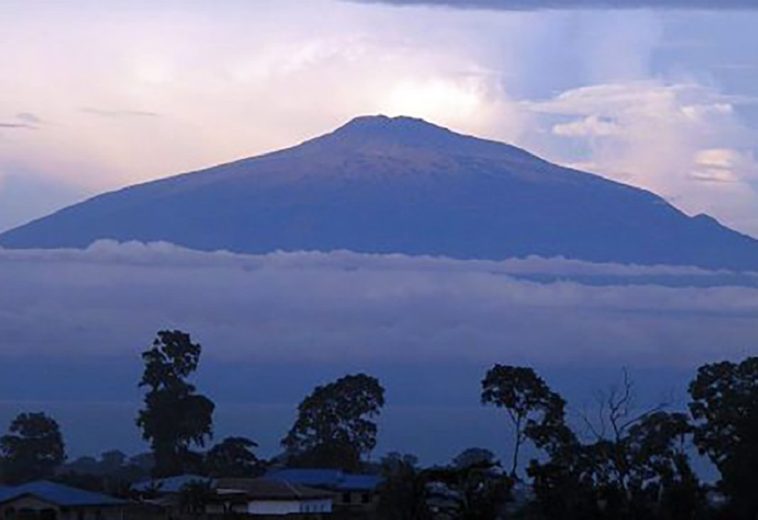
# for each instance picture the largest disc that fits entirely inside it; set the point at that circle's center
(321, 307)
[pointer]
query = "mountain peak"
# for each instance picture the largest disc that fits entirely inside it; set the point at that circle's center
(383, 132)
(381, 122)
(403, 130)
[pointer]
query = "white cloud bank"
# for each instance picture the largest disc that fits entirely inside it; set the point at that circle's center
(110, 299)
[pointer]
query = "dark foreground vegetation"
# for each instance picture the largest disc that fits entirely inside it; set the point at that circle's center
(618, 462)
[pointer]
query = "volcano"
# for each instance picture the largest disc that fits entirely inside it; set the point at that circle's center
(399, 185)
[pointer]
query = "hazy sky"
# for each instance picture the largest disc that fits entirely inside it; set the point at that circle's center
(98, 95)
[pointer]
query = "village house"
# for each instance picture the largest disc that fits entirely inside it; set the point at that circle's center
(43, 500)
(354, 494)
(255, 497)
(267, 497)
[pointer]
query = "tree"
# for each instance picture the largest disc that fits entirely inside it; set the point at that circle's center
(402, 494)
(477, 482)
(635, 466)
(233, 457)
(175, 417)
(334, 426)
(725, 409)
(474, 457)
(32, 449)
(526, 398)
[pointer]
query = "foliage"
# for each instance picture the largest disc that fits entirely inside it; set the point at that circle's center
(478, 488)
(174, 417)
(635, 466)
(402, 495)
(526, 398)
(32, 449)
(474, 457)
(725, 409)
(334, 427)
(233, 457)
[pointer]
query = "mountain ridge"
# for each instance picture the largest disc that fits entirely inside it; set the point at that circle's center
(384, 185)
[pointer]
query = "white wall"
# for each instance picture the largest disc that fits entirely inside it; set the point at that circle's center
(284, 507)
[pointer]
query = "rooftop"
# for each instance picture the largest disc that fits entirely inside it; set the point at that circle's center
(58, 494)
(328, 478)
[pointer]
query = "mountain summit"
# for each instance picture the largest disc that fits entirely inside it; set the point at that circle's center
(399, 185)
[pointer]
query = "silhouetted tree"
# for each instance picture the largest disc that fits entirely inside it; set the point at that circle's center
(526, 398)
(725, 408)
(32, 449)
(233, 457)
(334, 426)
(478, 484)
(635, 467)
(175, 417)
(474, 457)
(402, 494)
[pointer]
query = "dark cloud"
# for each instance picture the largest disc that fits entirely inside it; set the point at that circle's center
(118, 113)
(17, 126)
(527, 5)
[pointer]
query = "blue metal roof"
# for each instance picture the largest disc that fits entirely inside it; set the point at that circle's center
(353, 482)
(58, 494)
(169, 484)
(327, 478)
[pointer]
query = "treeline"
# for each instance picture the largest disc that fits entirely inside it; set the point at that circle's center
(618, 464)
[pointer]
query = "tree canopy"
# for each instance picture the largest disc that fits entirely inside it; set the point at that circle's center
(334, 426)
(175, 417)
(32, 449)
(233, 457)
(526, 398)
(725, 409)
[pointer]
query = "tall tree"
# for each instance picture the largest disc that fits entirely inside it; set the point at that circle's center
(725, 408)
(233, 457)
(334, 426)
(32, 449)
(175, 417)
(526, 398)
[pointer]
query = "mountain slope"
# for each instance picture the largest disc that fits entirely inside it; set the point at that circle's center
(387, 185)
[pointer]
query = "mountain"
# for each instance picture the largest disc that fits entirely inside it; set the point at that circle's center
(399, 185)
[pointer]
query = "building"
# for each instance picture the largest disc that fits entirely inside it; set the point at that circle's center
(355, 494)
(169, 485)
(267, 497)
(43, 500)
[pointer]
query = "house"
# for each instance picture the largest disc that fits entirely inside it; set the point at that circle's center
(355, 494)
(43, 500)
(169, 485)
(267, 497)
(166, 492)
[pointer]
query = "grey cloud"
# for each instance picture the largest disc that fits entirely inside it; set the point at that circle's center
(326, 307)
(528, 5)
(29, 118)
(118, 113)
(17, 126)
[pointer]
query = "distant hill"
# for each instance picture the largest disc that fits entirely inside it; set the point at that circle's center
(399, 185)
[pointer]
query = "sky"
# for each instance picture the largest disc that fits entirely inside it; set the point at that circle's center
(102, 95)
(99, 95)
